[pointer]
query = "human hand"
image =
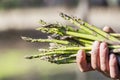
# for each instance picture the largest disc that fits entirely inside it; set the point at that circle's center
(100, 60)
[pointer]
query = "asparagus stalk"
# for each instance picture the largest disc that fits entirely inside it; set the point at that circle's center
(65, 41)
(69, 51)
(87, 48)
(99, 31)
(115, 34)
(66, 17)
(86, 36)
(86, 41)
(45, 40)
(53, 53)
(77, 23)
(89, 28)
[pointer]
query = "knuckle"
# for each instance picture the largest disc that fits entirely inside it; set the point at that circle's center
(112, 65)
(79, 59)
(102, 57)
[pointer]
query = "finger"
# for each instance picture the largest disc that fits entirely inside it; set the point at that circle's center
(81, 61)
(104, 57)
(95, 55)
(113, 66)
(108, 29)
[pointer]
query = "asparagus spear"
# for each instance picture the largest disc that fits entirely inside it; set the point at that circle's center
(65, 41)
(45, 40)
(89, 28)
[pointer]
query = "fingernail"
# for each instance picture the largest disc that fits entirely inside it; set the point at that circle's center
(103, 45)
(96, 43)
(107, 29)
(112, 57)
(95, 47)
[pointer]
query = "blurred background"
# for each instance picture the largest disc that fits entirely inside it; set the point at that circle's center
(21, 17)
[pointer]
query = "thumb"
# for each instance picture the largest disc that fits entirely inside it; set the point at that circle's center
(108, 29)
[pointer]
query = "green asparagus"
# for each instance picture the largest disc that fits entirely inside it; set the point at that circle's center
(65, 40)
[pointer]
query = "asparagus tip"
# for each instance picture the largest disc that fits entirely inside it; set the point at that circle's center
(28, 57)
(38, 28)
(32, 57)
(42, 22)
(64, 16)
(26, 38)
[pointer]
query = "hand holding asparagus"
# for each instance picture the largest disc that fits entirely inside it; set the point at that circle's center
(101, 60)
(65, 40)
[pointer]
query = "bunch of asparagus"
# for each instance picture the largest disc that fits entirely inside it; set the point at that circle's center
(65, 40)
